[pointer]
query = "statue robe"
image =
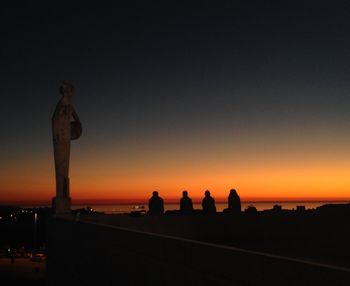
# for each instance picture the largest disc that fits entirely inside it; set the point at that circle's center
(63, 131)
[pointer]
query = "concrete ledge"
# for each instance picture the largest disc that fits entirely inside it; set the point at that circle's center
(87, 253)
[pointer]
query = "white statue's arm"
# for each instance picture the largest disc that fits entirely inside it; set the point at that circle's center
(75, 115)
(76, 128)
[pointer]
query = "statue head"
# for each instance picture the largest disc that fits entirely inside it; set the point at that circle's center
(66, 89)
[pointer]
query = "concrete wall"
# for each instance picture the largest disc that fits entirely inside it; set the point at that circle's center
(84, 253)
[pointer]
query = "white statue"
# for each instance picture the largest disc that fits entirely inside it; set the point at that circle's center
(66, 126)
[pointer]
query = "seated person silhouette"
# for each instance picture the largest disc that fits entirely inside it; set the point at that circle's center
(155, 205)
(234, 202)
(186, 206)
(208, 204)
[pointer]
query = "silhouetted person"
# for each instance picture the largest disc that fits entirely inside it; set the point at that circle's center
(186, 205)
(234, 202)
(156, 204)
(277, 208)
(251, 210)
(208, 204)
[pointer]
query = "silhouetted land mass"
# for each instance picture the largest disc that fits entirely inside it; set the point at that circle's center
(17, 226)
(22, 272)
(320, 235)
(20, 236)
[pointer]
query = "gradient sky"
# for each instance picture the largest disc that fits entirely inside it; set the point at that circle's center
(206, 95)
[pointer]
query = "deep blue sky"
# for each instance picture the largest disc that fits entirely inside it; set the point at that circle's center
(148, 72)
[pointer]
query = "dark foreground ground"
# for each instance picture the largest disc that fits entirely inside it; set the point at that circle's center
(22, 272)
(321, 236)
(265, 248)
(22, 232)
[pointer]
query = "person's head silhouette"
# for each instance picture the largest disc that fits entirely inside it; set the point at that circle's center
(207, 193)
(233, 192)
(185, 194)
(155, 194)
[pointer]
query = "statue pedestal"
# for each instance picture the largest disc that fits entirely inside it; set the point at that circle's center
(61, 205)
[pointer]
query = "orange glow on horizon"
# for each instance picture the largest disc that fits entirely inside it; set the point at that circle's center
(264, 172)
(268, 183)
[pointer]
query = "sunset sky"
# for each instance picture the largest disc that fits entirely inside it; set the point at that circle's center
(237, 94)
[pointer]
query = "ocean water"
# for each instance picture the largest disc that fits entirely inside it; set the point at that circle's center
(220, 206)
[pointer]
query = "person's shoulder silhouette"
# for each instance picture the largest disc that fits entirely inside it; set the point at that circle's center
(208, 203)
(186, 205)
(156, 204)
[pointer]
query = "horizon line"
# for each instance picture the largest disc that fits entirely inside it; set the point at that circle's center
(173, 200)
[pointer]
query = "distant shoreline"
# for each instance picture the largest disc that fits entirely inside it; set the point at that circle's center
(173, 202)
(220, 206)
